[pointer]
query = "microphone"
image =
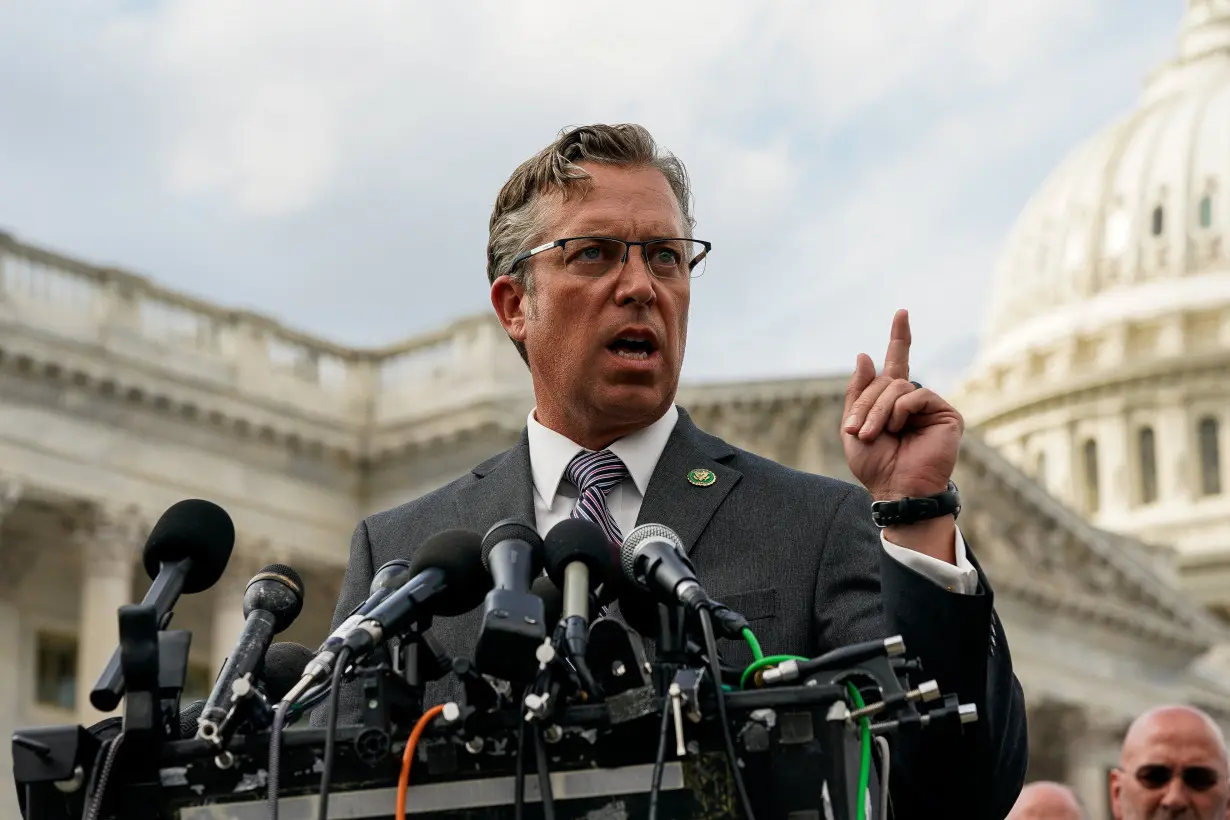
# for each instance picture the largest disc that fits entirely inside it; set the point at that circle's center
(387, 580)
(272, 601)
(448, 579)
(186, 552)
(652, 558)
(578, 561)
(284, 664)
(512, 553)
(513, 620)
(282, 667)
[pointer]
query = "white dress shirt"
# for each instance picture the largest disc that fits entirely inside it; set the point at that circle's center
(555, 496)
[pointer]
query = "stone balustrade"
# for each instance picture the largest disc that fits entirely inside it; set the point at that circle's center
(190, 339)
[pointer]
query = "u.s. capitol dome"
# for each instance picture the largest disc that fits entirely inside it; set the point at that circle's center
(1104, 366)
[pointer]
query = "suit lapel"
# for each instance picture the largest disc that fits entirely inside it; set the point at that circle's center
(503, 488)
(672, 499)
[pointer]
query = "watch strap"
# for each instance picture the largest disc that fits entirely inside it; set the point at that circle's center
(912, 510)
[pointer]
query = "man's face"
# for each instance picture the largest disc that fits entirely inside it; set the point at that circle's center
(1173, 767)
(587, 383)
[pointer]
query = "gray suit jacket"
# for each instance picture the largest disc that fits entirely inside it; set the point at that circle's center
(799, 556)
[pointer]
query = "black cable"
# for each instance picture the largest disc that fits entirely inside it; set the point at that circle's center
(544, 777)
(706, 625)
(98, 787)
(275, 757)
(343, 655)
(519, 783)
(659, 763)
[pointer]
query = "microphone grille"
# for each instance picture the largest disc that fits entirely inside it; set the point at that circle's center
(280, 572)
(629, 550)
(507, 530)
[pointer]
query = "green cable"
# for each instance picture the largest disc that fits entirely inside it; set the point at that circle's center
(754, 644)
(763, 663)
(864, 768)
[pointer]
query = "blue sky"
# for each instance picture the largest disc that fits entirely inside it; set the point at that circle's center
(334, 164)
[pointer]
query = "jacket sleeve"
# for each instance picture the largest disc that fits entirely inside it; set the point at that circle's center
(973, 771)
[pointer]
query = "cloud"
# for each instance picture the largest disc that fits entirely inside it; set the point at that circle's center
(334, 164)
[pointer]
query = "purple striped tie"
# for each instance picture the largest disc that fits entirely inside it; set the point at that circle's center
(594, 474)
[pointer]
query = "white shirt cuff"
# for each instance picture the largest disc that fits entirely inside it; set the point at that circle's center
(960, 577)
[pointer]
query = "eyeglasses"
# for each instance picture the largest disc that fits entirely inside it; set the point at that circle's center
(596, 256)
(1196, 778)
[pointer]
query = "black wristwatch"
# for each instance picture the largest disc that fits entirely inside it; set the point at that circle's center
(913, 510)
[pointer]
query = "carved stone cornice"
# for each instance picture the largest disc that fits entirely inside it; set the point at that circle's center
(111, 545)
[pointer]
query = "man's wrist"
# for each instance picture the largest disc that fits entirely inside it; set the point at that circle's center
(936, 537)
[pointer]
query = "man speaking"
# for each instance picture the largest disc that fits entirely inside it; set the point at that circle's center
(590, 258)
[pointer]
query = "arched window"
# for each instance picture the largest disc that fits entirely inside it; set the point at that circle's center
(1158, 221)
(1206, 211)
(1148, 465)
(1210, 456)
(1089, 458)
(1040, 468)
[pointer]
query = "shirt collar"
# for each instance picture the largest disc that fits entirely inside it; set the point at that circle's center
(551, 453)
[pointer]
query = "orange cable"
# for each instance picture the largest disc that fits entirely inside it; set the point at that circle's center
(403, 782)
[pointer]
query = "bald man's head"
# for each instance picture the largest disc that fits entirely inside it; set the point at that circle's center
(1173, 764)
(1046, 801)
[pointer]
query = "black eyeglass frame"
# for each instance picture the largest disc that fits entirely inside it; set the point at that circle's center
(560, 243)
(1196, 778)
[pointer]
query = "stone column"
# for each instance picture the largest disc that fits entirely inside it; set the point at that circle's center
(1095, 750)
(13, 567)
(109, 554)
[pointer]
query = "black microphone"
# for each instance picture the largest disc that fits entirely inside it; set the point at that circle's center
(578, 560)
(186, 552)
(387, 580)
(448, 579)
(513, 620)
(652, 557)
(272, 601)
(284, 665)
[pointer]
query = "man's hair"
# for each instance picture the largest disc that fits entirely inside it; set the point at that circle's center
(518, 218)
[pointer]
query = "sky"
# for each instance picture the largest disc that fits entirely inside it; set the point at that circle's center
(334, 164)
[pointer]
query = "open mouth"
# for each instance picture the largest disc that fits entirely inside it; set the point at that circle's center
(634, 348)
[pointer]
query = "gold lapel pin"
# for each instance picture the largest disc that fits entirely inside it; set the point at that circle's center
(702, 477)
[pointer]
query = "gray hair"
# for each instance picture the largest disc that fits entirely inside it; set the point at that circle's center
(519, 216)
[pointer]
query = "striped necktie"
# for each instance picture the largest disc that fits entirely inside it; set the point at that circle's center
(594, 474)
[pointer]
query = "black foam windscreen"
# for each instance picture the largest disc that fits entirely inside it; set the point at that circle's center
(509, 529)
(552, 600)
(575, 539)
(459, 555)
(195, 529)
(284, 663)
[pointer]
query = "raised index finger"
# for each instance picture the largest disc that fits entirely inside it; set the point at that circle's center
(897, 359)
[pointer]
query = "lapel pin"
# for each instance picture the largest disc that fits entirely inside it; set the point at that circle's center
(702, 478)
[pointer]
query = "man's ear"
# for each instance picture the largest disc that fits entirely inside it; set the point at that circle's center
(509, 299)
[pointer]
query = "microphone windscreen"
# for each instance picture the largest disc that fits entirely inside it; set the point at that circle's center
(459, 555)
(513, 529)
(194, 529)
(284, 663)
(552, 600)
(575, 539)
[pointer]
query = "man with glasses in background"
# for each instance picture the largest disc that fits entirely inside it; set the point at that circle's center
(1173, 765)
(590, 259)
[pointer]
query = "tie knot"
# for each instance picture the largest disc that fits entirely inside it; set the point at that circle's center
(601, 470)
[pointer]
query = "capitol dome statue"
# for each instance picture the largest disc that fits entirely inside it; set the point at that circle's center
(1104, 367)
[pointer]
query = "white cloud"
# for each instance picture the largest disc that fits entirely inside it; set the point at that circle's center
(297, 155)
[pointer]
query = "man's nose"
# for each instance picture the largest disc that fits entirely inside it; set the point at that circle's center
(635, 281)
(1175, 796)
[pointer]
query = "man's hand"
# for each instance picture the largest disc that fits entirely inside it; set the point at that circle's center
(901, 440)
